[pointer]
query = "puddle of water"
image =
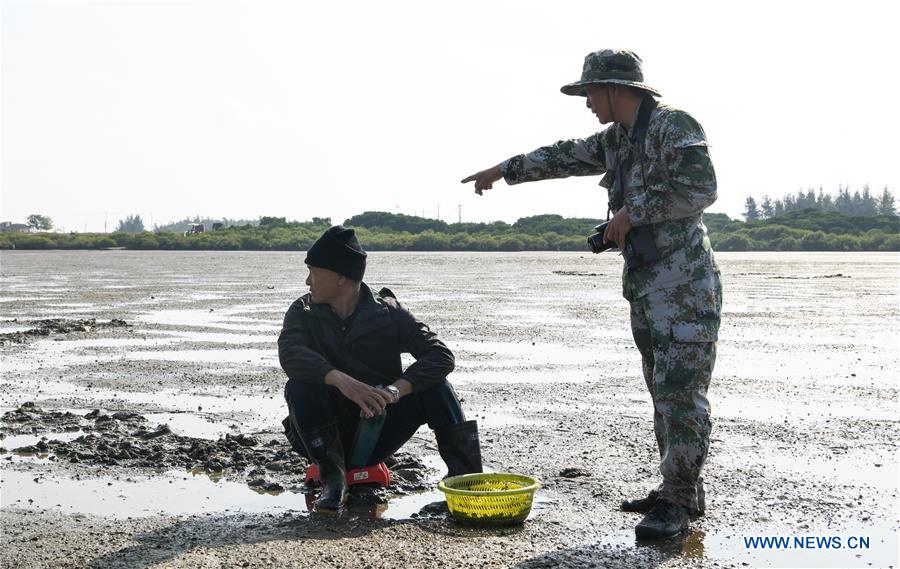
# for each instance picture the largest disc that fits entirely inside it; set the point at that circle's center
(10, 442)
(184, 423)
(175, 493)
(204, 318)
(526, 353)
(491, 418)
(33, 361)
(269, 357)
(802, 367)
(403, 507)
(530, 316)
(193, 425)
(558, 374)
(207, 296)
(848, 470)
(257, 412)
(769, 409)
(217, 337)
(54, 347)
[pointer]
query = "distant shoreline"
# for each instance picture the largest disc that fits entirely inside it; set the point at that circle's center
(804, 230)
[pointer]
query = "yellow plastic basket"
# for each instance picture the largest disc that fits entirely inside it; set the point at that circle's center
(490, 498)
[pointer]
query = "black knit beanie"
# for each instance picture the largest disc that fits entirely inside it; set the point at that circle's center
(338, 250)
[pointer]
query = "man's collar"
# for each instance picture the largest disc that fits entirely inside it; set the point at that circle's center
(367, 305)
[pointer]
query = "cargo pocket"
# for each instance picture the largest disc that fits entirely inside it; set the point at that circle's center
(697, 331)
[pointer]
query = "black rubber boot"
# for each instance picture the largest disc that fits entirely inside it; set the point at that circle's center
(459, 447)
(325, 449)
(640, 505)
(643, 505)
(664, 519)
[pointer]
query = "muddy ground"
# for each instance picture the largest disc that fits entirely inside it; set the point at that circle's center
(142, 400)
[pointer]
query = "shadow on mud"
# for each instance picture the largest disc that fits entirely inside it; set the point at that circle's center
(213, 532)
(623, 554)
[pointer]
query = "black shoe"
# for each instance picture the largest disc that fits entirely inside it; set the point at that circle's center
(664, 519)
(459, 447)
(641, 505)
(325, 449)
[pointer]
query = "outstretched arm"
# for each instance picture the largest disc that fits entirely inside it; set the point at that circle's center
(484, 180)
(576, 157)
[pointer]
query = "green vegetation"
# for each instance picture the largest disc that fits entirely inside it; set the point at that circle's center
(39, 222)
(131, 224)
(797, 230)
(186, 223)
(862, 203)
(806, 230)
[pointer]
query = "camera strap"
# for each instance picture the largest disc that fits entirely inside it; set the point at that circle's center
(643, 120)
(638, 134)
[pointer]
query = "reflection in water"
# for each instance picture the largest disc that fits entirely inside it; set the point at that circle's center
(174, 493)
(689, 545)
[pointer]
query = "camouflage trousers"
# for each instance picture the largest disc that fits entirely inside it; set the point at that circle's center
(675, 330)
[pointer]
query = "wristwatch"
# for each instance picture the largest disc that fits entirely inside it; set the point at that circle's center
(395, 393)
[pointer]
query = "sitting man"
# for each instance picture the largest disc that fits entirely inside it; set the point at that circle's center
(340, 347)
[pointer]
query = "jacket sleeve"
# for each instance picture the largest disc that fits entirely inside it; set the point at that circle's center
(298, 360)
(576, 157)
(434, 360)
(689, 184)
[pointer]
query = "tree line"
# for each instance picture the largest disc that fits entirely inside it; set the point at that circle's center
(799, 230)
(860, 203)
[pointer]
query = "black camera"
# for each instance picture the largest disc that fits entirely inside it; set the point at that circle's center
(640, 246)
(595, 240)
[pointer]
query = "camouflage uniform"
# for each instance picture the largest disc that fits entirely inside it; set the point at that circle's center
(676, 301)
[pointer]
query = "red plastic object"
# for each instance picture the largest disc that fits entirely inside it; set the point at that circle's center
(375, 474)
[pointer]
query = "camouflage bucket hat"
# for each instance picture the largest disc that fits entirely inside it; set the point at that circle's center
(618, 66)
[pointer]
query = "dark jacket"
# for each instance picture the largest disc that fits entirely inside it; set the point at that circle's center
(312, 343)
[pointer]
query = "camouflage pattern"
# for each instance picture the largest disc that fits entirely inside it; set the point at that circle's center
(675, 302)
(669, 189)
(675, 331)
(619, 66)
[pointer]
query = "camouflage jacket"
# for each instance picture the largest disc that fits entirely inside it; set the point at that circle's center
(668, 189)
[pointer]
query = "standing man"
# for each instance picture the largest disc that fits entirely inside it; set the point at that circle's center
(659, 179)
(340, 347)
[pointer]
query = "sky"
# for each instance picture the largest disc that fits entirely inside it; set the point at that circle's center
(298, 109)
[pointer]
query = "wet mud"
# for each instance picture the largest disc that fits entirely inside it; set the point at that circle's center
(159, 444)
(127, 440)
(51, 326)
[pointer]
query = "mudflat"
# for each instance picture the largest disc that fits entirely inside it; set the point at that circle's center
(142, 401)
